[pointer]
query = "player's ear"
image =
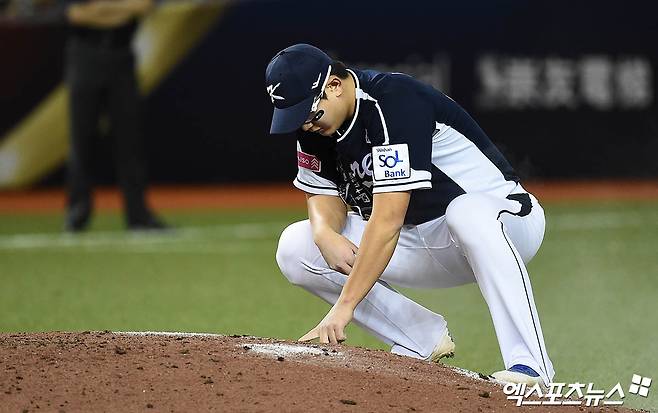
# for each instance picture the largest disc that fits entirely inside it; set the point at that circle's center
(335, 86)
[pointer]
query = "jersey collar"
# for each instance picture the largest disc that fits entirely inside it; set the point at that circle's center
(358, 96)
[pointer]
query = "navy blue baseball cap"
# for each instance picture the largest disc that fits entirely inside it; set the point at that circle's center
(295, 79)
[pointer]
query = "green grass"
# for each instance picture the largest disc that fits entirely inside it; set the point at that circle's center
(595, 282)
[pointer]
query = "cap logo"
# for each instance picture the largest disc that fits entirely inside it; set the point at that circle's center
(271, 89)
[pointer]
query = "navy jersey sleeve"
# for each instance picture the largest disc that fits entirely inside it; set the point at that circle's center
(404, 161)
(316, 165)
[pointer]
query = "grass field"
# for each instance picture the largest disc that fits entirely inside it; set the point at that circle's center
(595, 281)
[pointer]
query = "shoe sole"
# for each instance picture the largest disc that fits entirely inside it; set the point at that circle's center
(506, 376)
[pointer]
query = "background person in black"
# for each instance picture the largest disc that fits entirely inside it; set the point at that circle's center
(100, 74)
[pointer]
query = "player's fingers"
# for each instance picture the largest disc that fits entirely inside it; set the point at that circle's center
(340, 334)
(311, 335)
(331, 335)
(351, 245)
(348, 268)
(344, 268)
(350, 259)
(324, 337)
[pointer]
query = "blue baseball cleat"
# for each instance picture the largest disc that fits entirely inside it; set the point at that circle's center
(518, 373)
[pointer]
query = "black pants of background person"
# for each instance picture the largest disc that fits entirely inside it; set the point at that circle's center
(102, 80)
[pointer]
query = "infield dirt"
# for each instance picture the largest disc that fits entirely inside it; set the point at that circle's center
(117, 372)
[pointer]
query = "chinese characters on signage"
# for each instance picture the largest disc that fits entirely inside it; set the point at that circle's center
(597, 82)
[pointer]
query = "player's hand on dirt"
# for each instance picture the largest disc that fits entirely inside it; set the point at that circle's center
(332, 327)
(338, 252)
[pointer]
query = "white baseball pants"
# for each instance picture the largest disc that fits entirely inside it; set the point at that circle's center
(481, 238)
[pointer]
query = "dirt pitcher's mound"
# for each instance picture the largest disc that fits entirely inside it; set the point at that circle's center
(119, 372)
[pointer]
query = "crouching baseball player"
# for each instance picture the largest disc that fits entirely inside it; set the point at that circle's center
(403, 187)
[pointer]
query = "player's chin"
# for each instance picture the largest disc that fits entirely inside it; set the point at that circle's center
(326, 132)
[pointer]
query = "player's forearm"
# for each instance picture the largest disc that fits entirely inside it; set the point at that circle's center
(327, 214)
(377, 246)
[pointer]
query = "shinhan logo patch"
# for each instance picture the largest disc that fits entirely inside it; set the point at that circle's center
(307, 161)
(391, 162)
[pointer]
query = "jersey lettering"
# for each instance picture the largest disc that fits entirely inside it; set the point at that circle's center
(364, 168)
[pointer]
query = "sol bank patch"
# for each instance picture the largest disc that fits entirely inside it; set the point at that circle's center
(391, 162)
